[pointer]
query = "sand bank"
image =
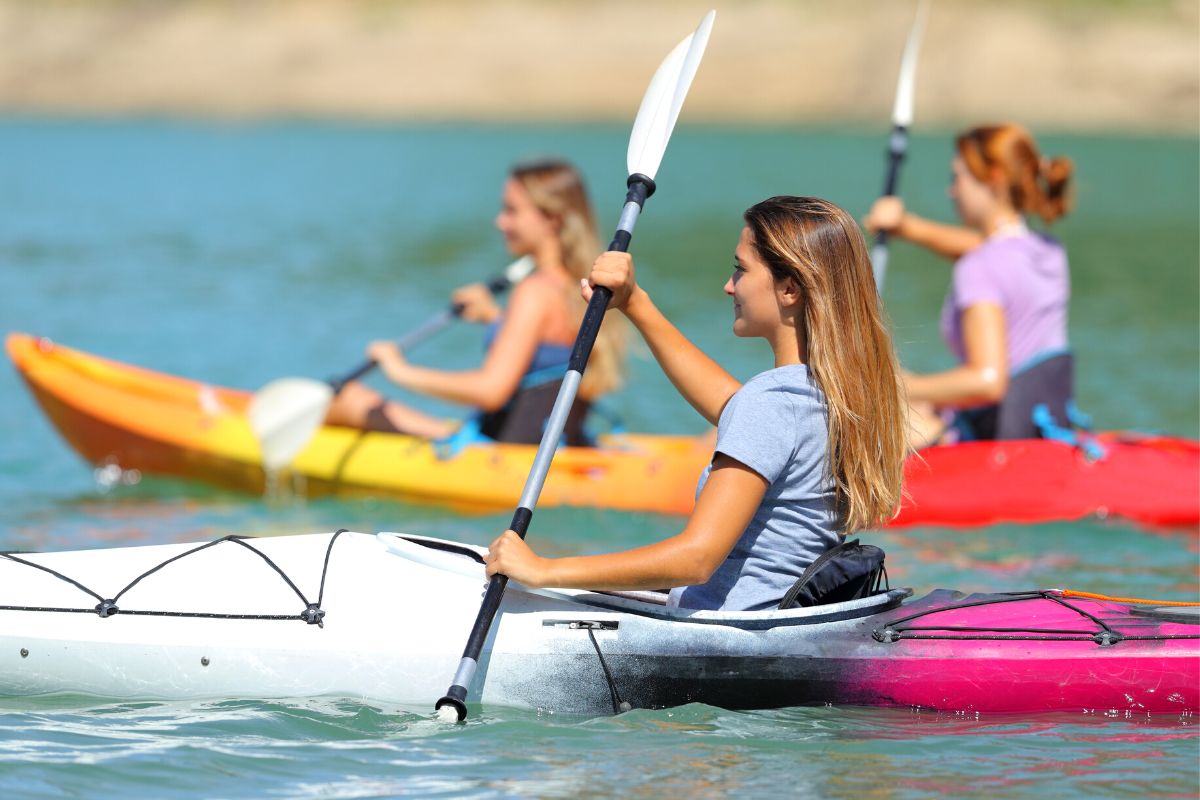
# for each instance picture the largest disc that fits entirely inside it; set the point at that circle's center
(1071, 64)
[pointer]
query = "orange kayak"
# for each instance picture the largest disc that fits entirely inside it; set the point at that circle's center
(115, 414)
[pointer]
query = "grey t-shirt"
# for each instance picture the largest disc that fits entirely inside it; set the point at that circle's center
(776, 425)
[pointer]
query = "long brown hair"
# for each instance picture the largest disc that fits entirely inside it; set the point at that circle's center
(557, 190)
(850, 355)
(1033, 184)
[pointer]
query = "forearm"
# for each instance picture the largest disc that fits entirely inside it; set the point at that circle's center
(961, 387)
(469, 387)
(669, 563)
(950, 241)
(700, 380)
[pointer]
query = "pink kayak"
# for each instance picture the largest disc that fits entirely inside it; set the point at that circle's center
(385, 616)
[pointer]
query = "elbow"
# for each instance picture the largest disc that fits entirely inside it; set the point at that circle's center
(490, 402)
(696, 568)
(993, 385)
(493, 396)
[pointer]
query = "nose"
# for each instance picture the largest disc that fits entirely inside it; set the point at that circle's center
(729, 286)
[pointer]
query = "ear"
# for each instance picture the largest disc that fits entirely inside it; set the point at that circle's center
(996, 180)
(788, 292)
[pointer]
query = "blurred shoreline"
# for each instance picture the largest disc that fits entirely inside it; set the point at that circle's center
(1067, 65)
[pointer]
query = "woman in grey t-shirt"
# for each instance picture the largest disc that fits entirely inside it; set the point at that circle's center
(806, 452)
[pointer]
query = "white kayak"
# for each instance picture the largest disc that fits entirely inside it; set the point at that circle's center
(384, 618)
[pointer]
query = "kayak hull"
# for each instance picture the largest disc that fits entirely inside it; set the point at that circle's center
(116, 415)
(1154, 480)
(397, 611)
(124, 417)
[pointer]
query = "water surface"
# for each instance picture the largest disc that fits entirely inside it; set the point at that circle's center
(238, 254)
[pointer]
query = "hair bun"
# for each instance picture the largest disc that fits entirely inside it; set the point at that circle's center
(1056, 175)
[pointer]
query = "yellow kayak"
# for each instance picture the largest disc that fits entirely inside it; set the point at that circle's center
(134, 418)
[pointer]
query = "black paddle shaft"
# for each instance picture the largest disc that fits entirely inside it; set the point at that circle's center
(496, 285)
(897, 149)
(640, 188)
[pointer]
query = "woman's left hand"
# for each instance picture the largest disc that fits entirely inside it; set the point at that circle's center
(387, 354)
(509, 555)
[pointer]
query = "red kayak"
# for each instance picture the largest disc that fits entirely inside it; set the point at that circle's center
(1154, 480)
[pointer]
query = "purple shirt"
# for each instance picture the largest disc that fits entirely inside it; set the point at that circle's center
(1026, 275)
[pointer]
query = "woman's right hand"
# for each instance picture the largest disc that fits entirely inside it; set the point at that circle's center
(886, 214)
(614, 271)
(477, 302)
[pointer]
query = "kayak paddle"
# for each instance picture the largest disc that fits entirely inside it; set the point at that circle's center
(902, 116)
(647, 143)
(286, 413)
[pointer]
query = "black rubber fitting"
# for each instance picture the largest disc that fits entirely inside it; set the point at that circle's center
(644, 180)
(456, 697)
(106, 608)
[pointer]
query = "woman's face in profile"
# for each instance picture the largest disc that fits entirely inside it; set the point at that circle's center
(522, 223)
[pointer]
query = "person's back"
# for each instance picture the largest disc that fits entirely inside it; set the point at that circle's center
(1024, 273)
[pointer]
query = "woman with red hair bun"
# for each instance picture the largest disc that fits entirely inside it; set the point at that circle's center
(1005, 316)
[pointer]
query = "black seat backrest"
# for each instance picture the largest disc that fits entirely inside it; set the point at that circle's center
(1048, 381)
(849, 571)
(523, 418)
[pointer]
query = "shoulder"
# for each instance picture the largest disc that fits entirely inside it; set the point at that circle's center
(783, 391)
(773, 419)
(979, 274)
(533, 296)
(984, 257)
(536, 287)
(1043, 242)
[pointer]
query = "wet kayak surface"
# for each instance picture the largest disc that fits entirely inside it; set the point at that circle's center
(239, 254)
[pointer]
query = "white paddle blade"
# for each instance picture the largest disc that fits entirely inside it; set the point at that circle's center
(284, 416)
(663, 100)
(519, 269)
(902, 112)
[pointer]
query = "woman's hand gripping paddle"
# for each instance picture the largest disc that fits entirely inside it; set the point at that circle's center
(647, 143)
(286, 413)
(902, 116)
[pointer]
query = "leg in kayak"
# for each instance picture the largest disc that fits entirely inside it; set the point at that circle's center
(359, 406)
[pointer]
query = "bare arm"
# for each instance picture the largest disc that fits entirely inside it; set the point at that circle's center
(983, 379)
(491, 385)
(724, 509)
(951, 241)
(702, 382)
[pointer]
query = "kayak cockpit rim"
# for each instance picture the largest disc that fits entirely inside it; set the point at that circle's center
(465, 559)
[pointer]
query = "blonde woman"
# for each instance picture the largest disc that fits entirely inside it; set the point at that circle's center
(545, 214)
(807, 451)
(1005, 316)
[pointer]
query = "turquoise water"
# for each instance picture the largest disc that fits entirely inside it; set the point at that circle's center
(238, 254)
